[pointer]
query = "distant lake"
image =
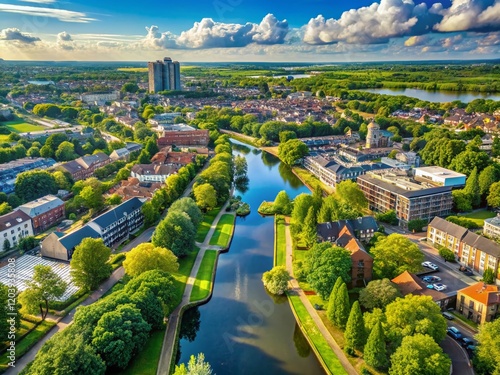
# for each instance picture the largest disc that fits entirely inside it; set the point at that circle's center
(436, 96)
(295, 76)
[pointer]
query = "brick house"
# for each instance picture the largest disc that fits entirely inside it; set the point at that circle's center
(479, 302)
(44, 212)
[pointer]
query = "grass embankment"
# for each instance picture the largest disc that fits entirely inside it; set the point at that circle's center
(320, 345)
(479, 216)
(182, 275)
(203, 283)
(222, 234)
(27, 342)
(244, 138)
(205, 225)
(310, 180)
(146, 362)
(280, 242)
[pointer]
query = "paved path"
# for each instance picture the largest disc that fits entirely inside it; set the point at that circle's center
(310, 309)
(174, 318)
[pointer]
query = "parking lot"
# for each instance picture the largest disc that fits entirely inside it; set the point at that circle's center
(452, 278)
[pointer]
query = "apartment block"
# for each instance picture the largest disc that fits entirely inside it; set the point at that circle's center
(492, 227)
(44, 212)
(479, 302)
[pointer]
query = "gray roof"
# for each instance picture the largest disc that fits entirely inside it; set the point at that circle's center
(88, 160)
(73, 239)
(118, 212)
(121, 152)
(332, 229)
(41, 205)
(495, 221)
(12, 219)
(405, 193)
(448, 227)
(482, 243)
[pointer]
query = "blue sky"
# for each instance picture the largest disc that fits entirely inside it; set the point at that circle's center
(250, 30)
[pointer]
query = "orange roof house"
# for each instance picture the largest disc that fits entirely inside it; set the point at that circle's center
(479, 302)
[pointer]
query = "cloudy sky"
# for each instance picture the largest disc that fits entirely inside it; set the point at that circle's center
(249, 30)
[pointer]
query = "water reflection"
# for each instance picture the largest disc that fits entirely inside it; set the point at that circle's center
(190, 324)
(301, 344)
(269, 160)
(288, 176)
(241, 184)
(245, 150)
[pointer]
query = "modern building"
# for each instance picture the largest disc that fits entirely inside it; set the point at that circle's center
(100, 97)
(164, 75)
(349, 234)
(472, 250)
(164, 118)
(14, 226)
(409, 157)
(492, 227)
(84, 167)
(153, 172)
(112, 226)
(393, 163)
(10, 170)
(479, 302)
(393, 189)
(44, 212)
(440, 176)
(184, 138)
(376, 138)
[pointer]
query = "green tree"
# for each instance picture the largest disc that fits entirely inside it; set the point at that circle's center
(348, 192)
(147, 257)
(27, 243)
(5, 208)
(144, 157)
(355, 333)
(286, 135)
(309, 230)
(89, 264)
(240, 166)
(494, 195)
(419, 355)
(489, 276)
(120, 334)
(33, 152)
(378, 293)
(292, 151)
(301, 205)
(343, 307)
(375, 353)
(130, 87)
(331, 310)
(395, 254)
(488, 349)
(276, 280)
(196, 366)
(46, 286)
(188, 206)
(416, 225)
(206, 196)
(466, 161)
(175, 232)
(472, 188)
(487, 177)
(65, 151)
(6, 245)
(323, 264)
(282, 203)
(63, 180)
(461, 201)
(151, 214)
(93, 198)
(412, 315)
(34, 184)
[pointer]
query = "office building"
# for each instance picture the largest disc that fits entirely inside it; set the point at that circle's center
(164, 75)
(440, 176)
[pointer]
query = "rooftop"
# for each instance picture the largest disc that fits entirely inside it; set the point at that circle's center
(41, 205)
(13, 218)
(483, 293)
(439, 172)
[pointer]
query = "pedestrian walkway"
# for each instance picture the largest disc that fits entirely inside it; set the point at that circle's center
(297, 290)
(174, 318)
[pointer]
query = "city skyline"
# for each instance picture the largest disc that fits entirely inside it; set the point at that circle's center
(237, 30)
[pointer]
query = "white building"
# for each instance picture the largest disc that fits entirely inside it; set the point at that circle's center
(164, 118)
(492, 227)
(153, 172)
(100, 97)
(13, 227)
(440, 176)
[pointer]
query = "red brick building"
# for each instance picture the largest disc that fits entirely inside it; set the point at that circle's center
(44, 212)
(184, 138)
(84, 167)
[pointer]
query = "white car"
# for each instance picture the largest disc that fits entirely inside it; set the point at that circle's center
(430, 265)
(439, 287)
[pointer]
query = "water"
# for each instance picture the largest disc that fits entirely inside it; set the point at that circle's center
(436, 96)
(242, 329)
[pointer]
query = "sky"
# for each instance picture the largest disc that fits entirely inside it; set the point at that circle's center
(249, 30)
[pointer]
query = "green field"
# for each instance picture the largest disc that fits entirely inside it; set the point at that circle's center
(479, 216)
(222, 233)
(319, 342)
(146, 361)
(280, 250)
(20, 126)
(206, 224)
(181, 276)
(203, 283)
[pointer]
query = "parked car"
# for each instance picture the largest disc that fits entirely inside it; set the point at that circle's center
(454, 332)
(448, 316)
(466, 342)
(439, 287)
(466, 271)
(430, 265)
(431, 279)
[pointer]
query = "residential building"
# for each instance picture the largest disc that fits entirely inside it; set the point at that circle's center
(409, 283)
(164, 75)
(100, 97)
(166, 156)
(440, 176)
(393, 189)
(492, 227)
(472, 250)
(84, 167)
(44, 212)
(184, 138)
(120, 154)
(134, 188)
(393, 163)
(10, 170)
(409, 157)
(153, 172)
(376, 138)
(164, 118)
(349, 234)
(14, 226)
(112, 226)
(479, 302)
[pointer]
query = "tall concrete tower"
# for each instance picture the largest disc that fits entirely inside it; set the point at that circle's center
(373, 135)
(164, 75)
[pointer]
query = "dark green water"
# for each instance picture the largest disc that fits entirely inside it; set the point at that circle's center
(242, 329)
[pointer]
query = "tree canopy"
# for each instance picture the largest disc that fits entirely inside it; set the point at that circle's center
(292, 151)
(147, 257)
(32, 185)
(378, 293)
(276, 280)
(175, 232)
(89, 264)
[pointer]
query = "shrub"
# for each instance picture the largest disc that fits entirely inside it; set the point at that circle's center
(446, 254)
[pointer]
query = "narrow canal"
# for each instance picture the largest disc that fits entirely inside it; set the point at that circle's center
(242, 329)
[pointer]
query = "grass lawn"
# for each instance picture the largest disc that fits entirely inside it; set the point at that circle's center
(146, 362)
(4, 137)
(27, 342)
(24, 127)
(311, 180)
(280, 251)
(203, 283)
(479, 216)
(205, 225)
(222, 233)
(319, 342)
(181, 276)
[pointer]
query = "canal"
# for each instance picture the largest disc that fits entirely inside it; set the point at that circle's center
(242, 329)
(437, 96)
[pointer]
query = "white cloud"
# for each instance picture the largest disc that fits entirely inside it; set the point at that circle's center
(374, 24)
(471, 15)
(156, 40)
(270, 31)
(417, 40)
(65, 41)
(64, 37)
(39, 1)
(16, 34)
(60, 14)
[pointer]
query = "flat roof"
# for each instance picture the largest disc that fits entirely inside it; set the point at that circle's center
(439, 171)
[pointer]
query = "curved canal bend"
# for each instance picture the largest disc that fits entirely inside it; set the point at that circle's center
(242, 329)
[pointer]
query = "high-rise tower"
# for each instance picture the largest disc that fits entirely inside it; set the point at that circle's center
(164, 75)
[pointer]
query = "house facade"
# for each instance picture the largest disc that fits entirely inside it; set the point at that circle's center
(84, 167)
(479, 302)
(44, 212)
(492, 227)
(14, 226)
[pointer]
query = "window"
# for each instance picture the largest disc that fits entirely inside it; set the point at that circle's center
(26, 225)
(5, 234)
(12, 231)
